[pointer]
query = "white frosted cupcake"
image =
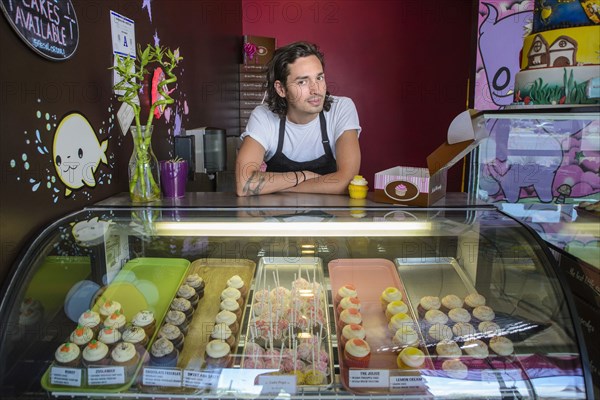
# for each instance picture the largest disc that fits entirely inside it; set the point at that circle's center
(352, 331)
(476, 349)
(428, 303)
(125, 355)
(410, 358)
(218, 354)
(116, 321)
(489, 329)
(451, 301)
(448, 349)
(398, 321)
(232, 306)
(434, 317)
(109, 307)
(455, 369)
(222, 332)
(234, 294)
(228, 318)
(483, 313)
(438, 333)
(348, 290)
(501, 346)
(459, 315)
(81, 336)
(109, 336)
(405, 336)
(474, 300)
(349, 302)
(464, 331)
(238, 283)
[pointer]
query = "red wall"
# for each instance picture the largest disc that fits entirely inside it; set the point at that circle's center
(405, 63)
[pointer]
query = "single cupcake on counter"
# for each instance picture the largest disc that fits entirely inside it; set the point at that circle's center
(222, 332)
(357, 353)
(439, 332)
(197, 283)
(145, 319)
(232, 306)
(410, 358)
(451, 301)
(81, 336)
(448, 348)
(238, 283)
(399, 320)
(109, 336)
(463, 331)
(501, 346)
(388, 295)
(348, 302)
(405, 336)
(136, 336)
(178, 319)
(125, 355)
(489, 329)
(228, 318)
(347, 290)
(183, 305)
(455, 369)
(95, 353)
(233, 294)
(357, 188)
(459, 315)
(395, 307)
(92, 320)
(483, 313)
(434, 317)
(218, 354)
(349, 316)
(116, 321)
(352, 331)
(67, 355)
(476, 349)
(428, 303)
(174, 335)
(187, 292)
(109, 307)
(473, 300)
(163, 353)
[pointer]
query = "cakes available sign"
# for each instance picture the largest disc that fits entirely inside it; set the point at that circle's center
(49, 27)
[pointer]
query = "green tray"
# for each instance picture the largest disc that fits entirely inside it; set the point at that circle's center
(142, 284)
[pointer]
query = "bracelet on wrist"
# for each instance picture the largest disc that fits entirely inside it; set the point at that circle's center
(296, 175)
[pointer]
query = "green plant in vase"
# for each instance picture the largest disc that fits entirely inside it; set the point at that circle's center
(144, 180)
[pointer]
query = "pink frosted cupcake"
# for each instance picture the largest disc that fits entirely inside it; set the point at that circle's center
(349, 316)
(352, 331)
(348, 302)
(357, 354)
(348, 290)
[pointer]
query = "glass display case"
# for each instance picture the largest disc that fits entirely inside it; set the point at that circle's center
(289, 302)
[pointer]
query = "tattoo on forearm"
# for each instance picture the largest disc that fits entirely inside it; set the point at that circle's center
(254, 184)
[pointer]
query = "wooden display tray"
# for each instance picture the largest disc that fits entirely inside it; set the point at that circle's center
(371, 277)
(165, 276)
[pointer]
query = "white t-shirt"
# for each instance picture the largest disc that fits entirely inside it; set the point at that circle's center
(302, 141)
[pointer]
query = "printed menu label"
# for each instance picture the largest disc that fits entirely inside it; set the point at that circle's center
(368, 378)
(162, 377)
(200, 380)
(407, 382)
(65, 376)
(106, 376)
(275, 384)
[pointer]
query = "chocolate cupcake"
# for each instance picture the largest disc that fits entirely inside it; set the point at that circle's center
(197, 283)
(428, 303)
(95, 353)
(459, 315)
(483, 313)
(473, 300)
(67, 355)
(145, 319)
(178, 319)
(222, 332)
(125, 355)
(218, 355)
(448, 349)
(455, 369)
(238, 283)
(183, 305)
(451, 301)
(81, 336)
(163, 353)
(187, 292)
(174, 335)
(501, 346)
(92, 320)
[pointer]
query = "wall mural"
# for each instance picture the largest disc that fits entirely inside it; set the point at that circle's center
(72, 156)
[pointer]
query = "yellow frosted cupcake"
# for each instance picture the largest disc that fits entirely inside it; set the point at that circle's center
(410, 358)
(389, 295)
(358, 187)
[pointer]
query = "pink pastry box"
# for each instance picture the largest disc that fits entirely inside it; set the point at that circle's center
(371, 277)
(413, 186)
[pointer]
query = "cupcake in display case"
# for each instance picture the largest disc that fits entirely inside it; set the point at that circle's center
(455, 369)
(349, 302)
(357, 353)
(136, 336)
(218, 354)
(187, 292)
(232, 294)
(125, 355)
(434, 317)
(222, 332)
(109, 307)
(196, 282)
(174, 335)
(451, 301)
(483, 313)
(410, 358)
(352, 331)
(67, 355)
(389, 295)
(428, 303)
(91, 319)
(238, 283)
(145, 319)
(399, 320)
(349, 316)
(395, 307)
(447, 349)
(474, 300)
(183, 305)
(228, 318)
(81, 336)
(357, 189)
(163, 353)
(109, 336)
(501, 346)
(476, 348)
(347, 290)
(232, 306)
(464, 331)
(405, 336)
(178, 319)
(459, 315)
(95, 353)
(116, 321)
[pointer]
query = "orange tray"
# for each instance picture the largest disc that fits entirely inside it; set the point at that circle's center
(371, 277)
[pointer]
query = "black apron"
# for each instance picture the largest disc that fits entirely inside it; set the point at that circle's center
(323, 165)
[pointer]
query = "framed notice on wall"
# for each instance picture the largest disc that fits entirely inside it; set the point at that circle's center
(49, 28)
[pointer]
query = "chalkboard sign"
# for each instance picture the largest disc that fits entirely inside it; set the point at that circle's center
(49, 27)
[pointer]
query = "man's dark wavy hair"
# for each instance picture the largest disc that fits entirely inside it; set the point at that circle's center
(277, 70)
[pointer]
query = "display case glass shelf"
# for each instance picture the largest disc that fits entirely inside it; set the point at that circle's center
(303, 302)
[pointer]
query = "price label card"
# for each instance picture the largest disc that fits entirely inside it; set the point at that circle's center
(106, 375)
(162, 377)
(369, 378)
(65, 376)
(199, 379)
(407, 382)
(275, 384)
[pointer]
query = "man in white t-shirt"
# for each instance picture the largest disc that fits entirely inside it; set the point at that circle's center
(307, 138)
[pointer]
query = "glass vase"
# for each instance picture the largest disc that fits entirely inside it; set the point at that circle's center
(144, 175)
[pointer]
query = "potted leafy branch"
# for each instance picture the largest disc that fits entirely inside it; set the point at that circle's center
(144, 181)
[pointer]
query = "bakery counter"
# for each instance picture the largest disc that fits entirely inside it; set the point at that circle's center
(297, 296)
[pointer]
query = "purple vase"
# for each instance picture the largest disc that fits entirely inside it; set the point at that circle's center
(173, 176)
